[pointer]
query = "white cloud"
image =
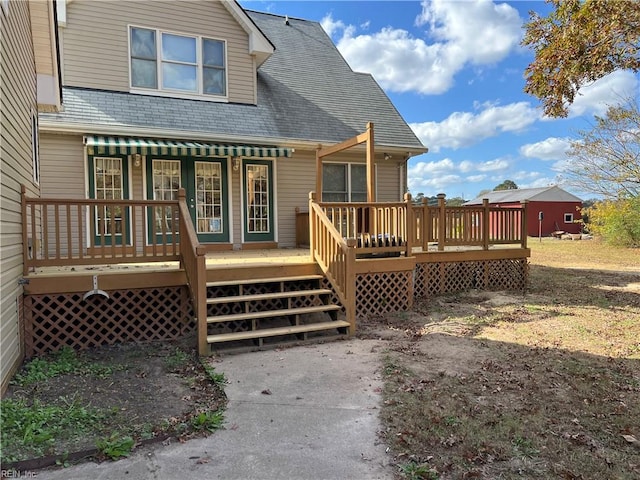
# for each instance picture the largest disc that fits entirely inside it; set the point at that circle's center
(524, 175)
(463, 129)
(551, 148)
(540, 182)
(493, 165)
(436, 176)
(482, 31)
(331, 26)
(476, 178)
(612, 89)
(476, 32)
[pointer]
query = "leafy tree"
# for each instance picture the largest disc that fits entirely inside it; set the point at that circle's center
(455, 201)
(506, 185)
(483, 192)
(579, 42)
(606, 159)
(617, 221)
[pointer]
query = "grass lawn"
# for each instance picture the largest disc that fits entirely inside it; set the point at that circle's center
(540, 384)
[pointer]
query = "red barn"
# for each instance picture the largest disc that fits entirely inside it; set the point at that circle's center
(551, 208)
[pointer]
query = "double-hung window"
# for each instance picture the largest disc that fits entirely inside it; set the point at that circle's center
(344, 182)
(179, 63)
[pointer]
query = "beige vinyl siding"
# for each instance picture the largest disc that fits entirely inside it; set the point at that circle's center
(95, 40)
(18, 101)
(40, 22)
(296, 178)
(62, 166)
(388, 181)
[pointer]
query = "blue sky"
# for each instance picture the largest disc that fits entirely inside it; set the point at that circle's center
(455, 71)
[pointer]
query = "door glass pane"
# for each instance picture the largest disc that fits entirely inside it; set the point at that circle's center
(334, 183)
(166, 183)
(209, 197)
(258, 208)
(108, 178)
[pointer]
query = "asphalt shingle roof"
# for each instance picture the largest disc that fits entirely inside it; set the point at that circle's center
(542, 194)
(306, 91)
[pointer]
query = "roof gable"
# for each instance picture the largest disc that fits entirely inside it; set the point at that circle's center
(542, 194)
(259, 44)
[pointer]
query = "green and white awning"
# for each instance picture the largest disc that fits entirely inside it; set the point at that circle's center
(126, 146)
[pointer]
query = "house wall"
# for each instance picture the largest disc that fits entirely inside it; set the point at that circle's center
(95, 48)
(64, 174)
(18, 101)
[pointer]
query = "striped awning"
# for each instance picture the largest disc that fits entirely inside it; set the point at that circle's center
(126, 146)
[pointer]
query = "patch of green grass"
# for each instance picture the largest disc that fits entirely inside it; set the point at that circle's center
(415, 471)
(209, 421)
(217, 378)
(30, 429)
(176, 360)
(115, 446)
(66, 361)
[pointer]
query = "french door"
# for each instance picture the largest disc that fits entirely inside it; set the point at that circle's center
(205, 184)
(108, 181)
(259, 212)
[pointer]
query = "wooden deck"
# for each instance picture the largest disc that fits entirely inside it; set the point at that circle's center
(364, 259)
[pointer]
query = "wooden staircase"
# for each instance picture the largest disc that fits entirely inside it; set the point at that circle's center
(255, 312)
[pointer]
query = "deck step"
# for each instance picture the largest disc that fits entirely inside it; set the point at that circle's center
(273, 332)
(272, 313)
(300, 278)
(268, 296)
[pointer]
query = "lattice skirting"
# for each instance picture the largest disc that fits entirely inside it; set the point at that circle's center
(139, 315)
(384, 292)
(449, 277)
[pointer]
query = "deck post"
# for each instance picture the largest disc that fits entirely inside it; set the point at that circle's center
(319, 172)
(410, 219)
(350, 285)
(442, 218)
(201, 299)
(182, 197)
(25, 239)
(523, 224)
(426, 225)
(485, 223)
(312, 227)
(371, 155)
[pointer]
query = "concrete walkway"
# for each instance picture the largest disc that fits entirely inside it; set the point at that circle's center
(308, 412)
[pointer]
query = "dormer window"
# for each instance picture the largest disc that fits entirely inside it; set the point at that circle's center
(176, 63)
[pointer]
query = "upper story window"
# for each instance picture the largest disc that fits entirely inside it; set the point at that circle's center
(177, 63)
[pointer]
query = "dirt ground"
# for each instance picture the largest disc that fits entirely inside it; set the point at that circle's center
(149, 391)
(536, 384)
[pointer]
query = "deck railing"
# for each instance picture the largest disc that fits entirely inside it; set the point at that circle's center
(193, 260)
(336, 256)
(60, 232)
(379, 228)
(480, 226)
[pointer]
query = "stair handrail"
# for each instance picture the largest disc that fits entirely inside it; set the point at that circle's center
(193, 260)
(335, 255)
